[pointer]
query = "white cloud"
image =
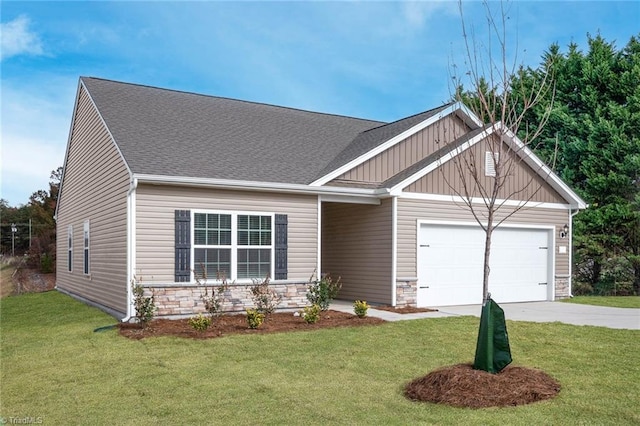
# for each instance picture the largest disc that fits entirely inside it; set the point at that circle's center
(35, 127)
(16, 39)
(417, 13)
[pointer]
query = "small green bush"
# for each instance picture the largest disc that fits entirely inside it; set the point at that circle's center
(311, 314)
(144, 305)
(322, 291)
(200, 323)
(360, 308)
(254, 318)
(46, 263)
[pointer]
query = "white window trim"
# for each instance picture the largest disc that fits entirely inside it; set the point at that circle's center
(86, 248)
(70, 248)
(234, 244)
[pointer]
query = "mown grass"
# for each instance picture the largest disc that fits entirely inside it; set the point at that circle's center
(54, 367)
(610, 301)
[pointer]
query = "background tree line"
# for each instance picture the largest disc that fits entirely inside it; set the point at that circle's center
(35, 226)
(589, 133)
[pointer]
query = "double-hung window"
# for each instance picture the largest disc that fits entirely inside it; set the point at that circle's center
(232, 245)
(85, 257)
(70, 248)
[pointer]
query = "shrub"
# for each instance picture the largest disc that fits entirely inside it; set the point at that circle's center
(254, 318)
(42, 253)
(200, 323)
(46, 263)
(214, 302)
(144, 305)
(264, 298)
(322, 291)
(311, 314)
(360, 308)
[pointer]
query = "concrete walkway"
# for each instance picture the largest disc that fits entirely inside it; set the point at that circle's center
(568, 313)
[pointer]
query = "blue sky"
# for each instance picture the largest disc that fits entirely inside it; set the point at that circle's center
(377, 60)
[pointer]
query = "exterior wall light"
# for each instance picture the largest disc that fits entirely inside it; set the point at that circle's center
(564, 232)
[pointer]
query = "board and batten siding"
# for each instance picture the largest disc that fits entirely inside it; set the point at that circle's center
(411, 210)
(523, 184)
(407, 152)
(357, 247)
(155, 235)
(94, 188)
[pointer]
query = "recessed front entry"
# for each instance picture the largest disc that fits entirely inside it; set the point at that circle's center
(450, 259)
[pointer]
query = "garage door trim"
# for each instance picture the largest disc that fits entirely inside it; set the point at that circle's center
(551, 241)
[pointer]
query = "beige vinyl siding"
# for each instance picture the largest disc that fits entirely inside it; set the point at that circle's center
(407, 152)
(155, 227)
(357, 246)
(411, 210)
(523, 184)
(94, 188)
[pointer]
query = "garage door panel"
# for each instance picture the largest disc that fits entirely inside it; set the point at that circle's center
(450, 262)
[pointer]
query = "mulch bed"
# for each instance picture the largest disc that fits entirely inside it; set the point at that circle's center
(403, 310)
(462, 386)
(225, 325)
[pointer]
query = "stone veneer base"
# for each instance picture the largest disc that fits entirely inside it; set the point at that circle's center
(177, 299)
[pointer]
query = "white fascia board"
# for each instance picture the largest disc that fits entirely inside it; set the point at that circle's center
(241, 185)
(456, 199)
(470, 118)
(335, 198)
(388, 144)
(397, 189)
(543, 170)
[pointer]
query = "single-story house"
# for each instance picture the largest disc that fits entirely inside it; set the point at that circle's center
(160, 184)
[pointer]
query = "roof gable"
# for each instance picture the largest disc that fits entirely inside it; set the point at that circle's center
(543, 174)
(374, 141)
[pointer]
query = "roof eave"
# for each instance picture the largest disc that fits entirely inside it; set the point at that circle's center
(242, 185)
(529, 157)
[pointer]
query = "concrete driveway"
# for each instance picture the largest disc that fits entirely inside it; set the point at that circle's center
(568, 313)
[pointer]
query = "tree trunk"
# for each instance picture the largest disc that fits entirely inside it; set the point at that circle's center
(487, 256)
(595, 272)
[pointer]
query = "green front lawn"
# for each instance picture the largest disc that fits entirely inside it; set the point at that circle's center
(55, 368)
(610, 301)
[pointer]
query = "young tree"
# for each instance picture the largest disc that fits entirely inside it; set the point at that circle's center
(502, 93)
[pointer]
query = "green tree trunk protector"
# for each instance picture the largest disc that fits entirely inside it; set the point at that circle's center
(492, 350)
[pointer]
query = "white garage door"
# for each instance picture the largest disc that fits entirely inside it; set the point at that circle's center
(450, 259)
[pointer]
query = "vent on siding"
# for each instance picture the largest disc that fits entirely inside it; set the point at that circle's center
(490, 161)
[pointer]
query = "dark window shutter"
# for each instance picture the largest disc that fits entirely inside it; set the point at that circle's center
(281, 246)
(183, 245)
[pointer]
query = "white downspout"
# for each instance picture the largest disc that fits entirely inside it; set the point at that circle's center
(571, 215)
(394, 248)
(319, 239)
(131, 245)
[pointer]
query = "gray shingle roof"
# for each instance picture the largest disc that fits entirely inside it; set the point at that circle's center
(171, 133)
